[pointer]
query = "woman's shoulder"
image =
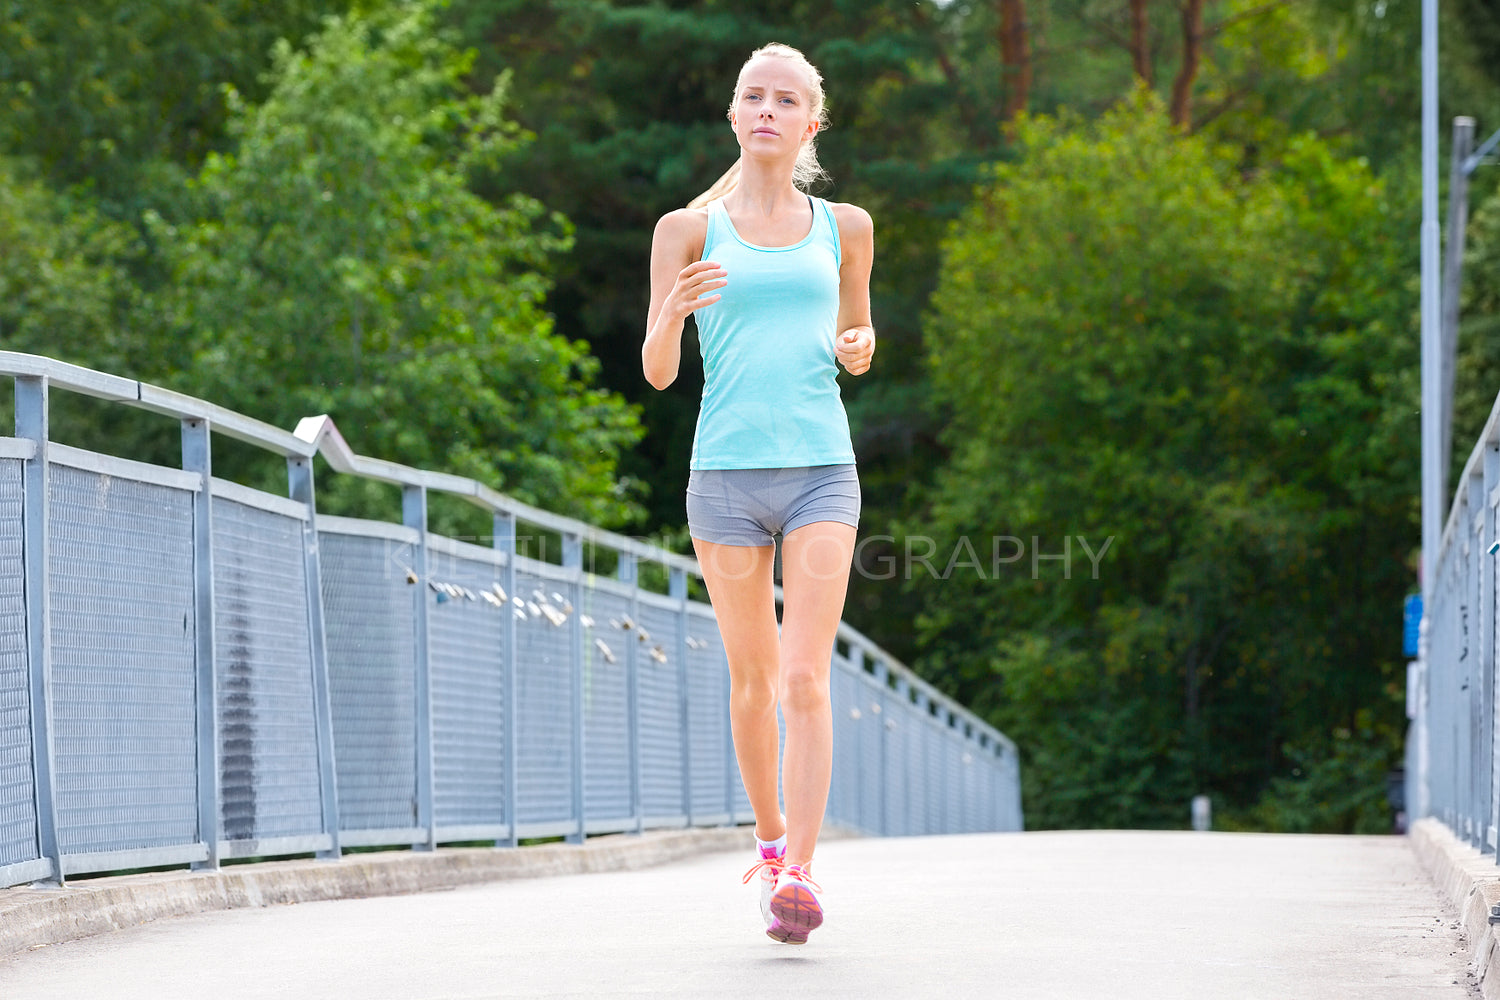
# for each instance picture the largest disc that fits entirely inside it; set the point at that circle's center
(683, 221)
(855, 224)
(685, 229)
(852, 219)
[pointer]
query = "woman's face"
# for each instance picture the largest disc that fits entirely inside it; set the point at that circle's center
(772, 114)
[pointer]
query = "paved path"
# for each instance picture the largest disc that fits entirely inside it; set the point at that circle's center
(1049, 916)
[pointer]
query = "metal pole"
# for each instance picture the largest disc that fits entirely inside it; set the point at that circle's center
(572, 558)
(197, 457)
(414, 515)
(1431, 313)
(1431, 310)
(924, 708)
(1485, 737)
(1452, 281)
(883, 675)
(903, 698)
(677, 590)
(626, 573)
(300, 488)
(32, 424)
(505, 541)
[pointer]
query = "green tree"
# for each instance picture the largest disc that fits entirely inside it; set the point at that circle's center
(1139, 341)
(341, 264)
(120, 95)
(64, 289)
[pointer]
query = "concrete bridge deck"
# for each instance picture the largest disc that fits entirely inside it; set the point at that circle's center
(1035, 916)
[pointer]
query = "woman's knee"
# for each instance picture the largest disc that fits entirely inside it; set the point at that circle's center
(804, 687)
(756, 694)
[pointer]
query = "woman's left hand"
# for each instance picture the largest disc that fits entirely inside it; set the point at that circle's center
(855, 347)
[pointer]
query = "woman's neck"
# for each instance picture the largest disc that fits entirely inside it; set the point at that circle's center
(766, 189)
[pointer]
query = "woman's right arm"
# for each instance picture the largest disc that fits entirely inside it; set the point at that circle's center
(678, 285)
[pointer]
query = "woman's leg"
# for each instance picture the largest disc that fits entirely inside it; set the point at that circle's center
(815, 560)
(741, 587)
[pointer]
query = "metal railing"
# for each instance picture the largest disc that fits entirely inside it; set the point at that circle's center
(1453, 742)
(192, 670)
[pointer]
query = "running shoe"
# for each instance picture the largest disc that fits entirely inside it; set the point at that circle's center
(795, 910)
(768, 865)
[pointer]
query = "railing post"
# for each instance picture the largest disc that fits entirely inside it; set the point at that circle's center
(197, 457)
(1484, 736)
(300, 488)
(32, 424)
(414, 515)
(505, 542)
(572, 558)
(884, 726)
(903, 695)
(924, 708)
(1492, 663)
(677, 590)
(626, 571)
(857, 746)
(1475, 819)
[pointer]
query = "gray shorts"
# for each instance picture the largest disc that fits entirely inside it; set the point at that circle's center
(751, 506)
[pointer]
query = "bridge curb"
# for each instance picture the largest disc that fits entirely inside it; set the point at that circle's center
(1471, 882)
(35, 916)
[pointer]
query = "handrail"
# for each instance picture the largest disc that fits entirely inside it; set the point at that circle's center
(1473, 468)
(319, 435)
(322, 434)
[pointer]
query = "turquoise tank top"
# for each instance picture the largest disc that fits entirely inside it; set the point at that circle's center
(770, 378)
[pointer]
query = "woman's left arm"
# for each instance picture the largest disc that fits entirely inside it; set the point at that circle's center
(855, 343)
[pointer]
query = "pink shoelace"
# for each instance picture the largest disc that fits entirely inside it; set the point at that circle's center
(766, 868)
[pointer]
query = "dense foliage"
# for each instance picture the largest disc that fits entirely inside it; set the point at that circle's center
(1167, 355)
(1144, 273)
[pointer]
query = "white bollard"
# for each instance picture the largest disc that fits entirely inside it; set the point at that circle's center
(1202, 813)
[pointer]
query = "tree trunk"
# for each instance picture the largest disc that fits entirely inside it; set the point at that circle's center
(1140, 52)
(1015, 56)
(1192, 46)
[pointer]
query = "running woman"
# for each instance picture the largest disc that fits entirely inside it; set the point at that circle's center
(779, 284)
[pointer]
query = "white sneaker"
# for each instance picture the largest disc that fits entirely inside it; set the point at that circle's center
(795, 909)
(768, 867)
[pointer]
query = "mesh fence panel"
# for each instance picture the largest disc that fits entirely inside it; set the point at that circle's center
(844, 789)
(661, 714)
(916, 773)
(268, 748)
(708, 714)
(17, 803)
(898, 756)
(123, 675)
(935, 773)
(871, 736)
(544, 712)
(953, 810)
(368, 613)
(606, 720)
(465, 637)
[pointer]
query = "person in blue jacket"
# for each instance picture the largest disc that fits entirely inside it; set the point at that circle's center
(778, 282)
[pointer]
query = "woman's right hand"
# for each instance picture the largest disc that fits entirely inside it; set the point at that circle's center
(680, 285)
(690, 292)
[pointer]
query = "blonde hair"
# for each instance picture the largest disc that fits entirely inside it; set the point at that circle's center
(808, 171)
